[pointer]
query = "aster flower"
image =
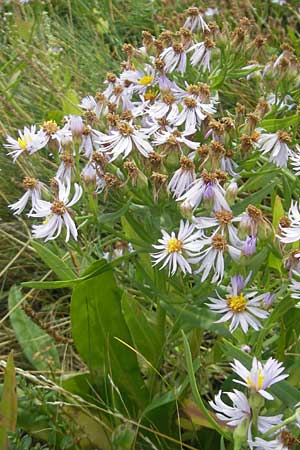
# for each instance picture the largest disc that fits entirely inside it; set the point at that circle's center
(123, 139)
(241, 309)
(95, 105)
(33, 193)
(89, 138)
(240, 412)
(175, 138)
(195, 21)
(29, 141)
(121, 96)
(57, 214)
(65, 169)
(276, 143)
(193, 112)
(261, 376)
(140, 80)
(251, 220)
(295, 160)
(178, 251)
(285, 441)
(166, 107)
(183, 177)
(232, 415)
(207, 188)
(202, 53)
(174, 58)
(212, 257)
(295, 288)
(222, 222)
(291, 231)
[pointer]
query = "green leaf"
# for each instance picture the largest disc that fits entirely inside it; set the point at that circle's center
(255, 198)
(70, 103)
(98, 326)
(97, 267)
(38, 347)
(194, 387)
(272, 125)
(143, 334)
(276, 261)
(194, 317)
(54, 262)
(8, 405)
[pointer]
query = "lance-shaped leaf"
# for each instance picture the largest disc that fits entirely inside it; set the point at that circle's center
(98, 328)
(8, 405)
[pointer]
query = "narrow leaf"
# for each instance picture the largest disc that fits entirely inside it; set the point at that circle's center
(8, 405)
(38, 347)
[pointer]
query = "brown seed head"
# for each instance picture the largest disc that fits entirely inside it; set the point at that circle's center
(178, 47)
(187, 164)
(219, 242)
(169, 99)
(209, 43)
(254, 213)
(284, 136)
(224, 217)
(284, 222)
(67, 158)
(50, 127)
(190, 102)
(124, 128)
(217, 149)
(58, 207)
(111, 77)
(30, 183)
(287, 439)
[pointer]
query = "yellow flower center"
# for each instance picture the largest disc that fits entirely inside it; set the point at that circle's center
(147, 79)
(22, 143)
(174, 245)
(260, 380)
(237, 303)
(150, 94)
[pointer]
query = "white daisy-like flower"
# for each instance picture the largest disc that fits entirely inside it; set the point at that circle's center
(176, 138)
(193, 112)
(207, 188)
(295, 160)
(183, 177)
(57, 214)
(96, 105)
(291, 233)
(232, 415)
(212, 257)
(202, 53)
(65, 169)
(89, 141)
(29, 141)
(242, 310)
(261, 376)
(276, 144)
(222, 222)
(195, 21)
(33, 193)
(123, 139)
(166, 106)
(178, 251)
(174, 58)
(121, 96)
(141, 80)
(282, 442)
(295, 288)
